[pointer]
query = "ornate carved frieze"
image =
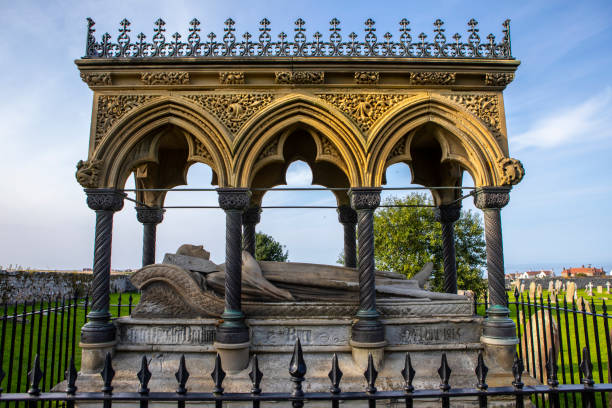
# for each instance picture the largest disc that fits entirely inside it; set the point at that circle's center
(364, 109)
(97, 78)
(199, 150)
(498, 78)
(231, 78)
(299, 77)
(233, 109)
(486, 107)
(367, 77)
(165, 78)
(88, 173)
(512, 171)
(365, 198)
(149, 215)
(112, 107)
(270, 149)
(105, 199)
(432, 78)
(328, 148)
(399, 149)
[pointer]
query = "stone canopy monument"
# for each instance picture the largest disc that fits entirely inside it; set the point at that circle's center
(248, 108)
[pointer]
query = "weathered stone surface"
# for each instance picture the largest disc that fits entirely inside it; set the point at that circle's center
(537, 339)
(191, 263)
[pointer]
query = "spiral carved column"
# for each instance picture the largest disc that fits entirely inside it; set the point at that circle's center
(149, 217)
(105, 202)
(348, 218)
(250, 219)
(233, 330)
(368, 328)
(498, 324)
(447, 215)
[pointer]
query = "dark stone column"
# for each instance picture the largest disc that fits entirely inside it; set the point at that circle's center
(367, 329)
(232, 329)
(149, 217)
(447, 215)
(498, 324)
(105, 202)
(250, 219)
(348, 218)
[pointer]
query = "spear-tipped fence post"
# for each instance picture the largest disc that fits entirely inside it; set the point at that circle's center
(35, 376)
(481, 375)
(2, 374)
(144, 376)
(297, 370)
(71, 377)
(108, 373)
(408, 374)
(218, 375)
(182, 375)
(517, 372)
(444, 372)
(551, 374)
(256, 375)
(335, 375)
(586, 367)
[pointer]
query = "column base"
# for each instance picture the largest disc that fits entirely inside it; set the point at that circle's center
(93, 356)
(367, 329)
(498, 324)
(232, 328)
(234, 357)
(97, 333)
(361, 351)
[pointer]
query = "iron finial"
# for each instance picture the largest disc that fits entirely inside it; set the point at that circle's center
(408, 374)
(108, 373)
(481, 373)
(218, 375)
(371, 374)
(335, 375)
(144, 376)
(587, 368)
(444, 372)
(297, 370)
(551, 368)
(256, 375)
(517, 371)
(182, 375)
(71, 377)
(35, 376)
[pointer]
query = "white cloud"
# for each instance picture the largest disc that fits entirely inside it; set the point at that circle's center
(299, 174)
(588, 120)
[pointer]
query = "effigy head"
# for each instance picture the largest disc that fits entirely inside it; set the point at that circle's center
(196, 251)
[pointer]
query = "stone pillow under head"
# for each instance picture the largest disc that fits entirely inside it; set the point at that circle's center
(251, 273)
(196, 251)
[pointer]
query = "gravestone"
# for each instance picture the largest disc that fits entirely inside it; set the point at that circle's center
(608, 287)
(599, 289)
(532, 290)
(551, 286)
(523, 288)
(570, 293)
(529, 341)
(539, 291)
(558, 285)
(583, 306)
(589, 288)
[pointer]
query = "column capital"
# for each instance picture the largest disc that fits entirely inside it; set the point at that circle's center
(491, 197)
(234, 198)
(346, 215)
(105, 199)
(447, 214)
(365, 198)
(252, 215)
(150, 215)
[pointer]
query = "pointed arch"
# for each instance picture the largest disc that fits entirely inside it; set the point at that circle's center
(335, 134)
(134, 140)
(466, 141)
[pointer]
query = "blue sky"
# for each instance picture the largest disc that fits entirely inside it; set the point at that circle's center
(558, 111)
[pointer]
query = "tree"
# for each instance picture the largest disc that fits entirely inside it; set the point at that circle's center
(406, 238)
(268, 249)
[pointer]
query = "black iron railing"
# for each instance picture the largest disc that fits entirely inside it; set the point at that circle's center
(297, 372)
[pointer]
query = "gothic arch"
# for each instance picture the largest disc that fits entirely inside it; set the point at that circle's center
(135, 138)
(338, 140)
(465, 139)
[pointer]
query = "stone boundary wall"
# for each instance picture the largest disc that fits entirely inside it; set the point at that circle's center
(19, 286)
(580, 282)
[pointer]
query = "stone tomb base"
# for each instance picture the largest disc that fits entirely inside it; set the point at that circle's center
(425, 337)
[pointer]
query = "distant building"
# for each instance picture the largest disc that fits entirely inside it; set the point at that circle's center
(531, 274)
(582, 271)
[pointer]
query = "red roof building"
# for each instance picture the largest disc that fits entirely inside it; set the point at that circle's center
(582, 271)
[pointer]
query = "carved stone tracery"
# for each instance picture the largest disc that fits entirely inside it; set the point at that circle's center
(364, 109)
(231, 78)
(498, 78)
(97, 78)
(112, 107)
(165, 78)
(328, 148)
(233, 109)
(200, 151)
(485, 107)
(270, 149)
(367, 77)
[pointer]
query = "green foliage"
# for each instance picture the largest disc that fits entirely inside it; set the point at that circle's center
(406, 238)
(268, 249)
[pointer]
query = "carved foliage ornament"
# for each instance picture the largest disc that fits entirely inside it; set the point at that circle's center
(399, 149)
(512, 171)
(199, 150)
(165, 78)
(498, 78)
(432, 78)
(231, 78)
(367, 77)
(365, 109)
(492, 198)
(88, 173)
(233, 109)
(486, 107)
(111, 108)
(299, 77)
(97, 78)
(328, 148)
(365, 198)
(270, 149)
(234, 198)
(149, 215)
(105, 199)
